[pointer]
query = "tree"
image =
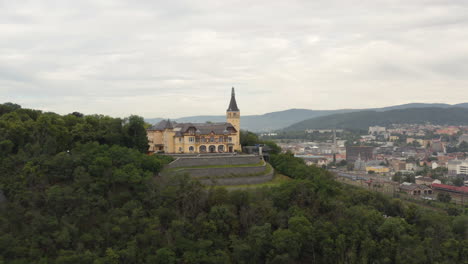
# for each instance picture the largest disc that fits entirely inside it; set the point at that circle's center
(165, 256)
(248, 138)
(135, 132)
(8, 107)
(286, 242)
(458, 181)
(444, 197)
(397, 177)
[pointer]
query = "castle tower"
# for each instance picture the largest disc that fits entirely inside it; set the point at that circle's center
(233, 117)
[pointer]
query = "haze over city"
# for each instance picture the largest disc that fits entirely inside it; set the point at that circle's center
(180, 58)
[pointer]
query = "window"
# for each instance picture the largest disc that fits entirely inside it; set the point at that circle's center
(229, 139)
(180, 139)
(180, 149)
(220, 139)
(191, 148)
(211, 139)
(191, 139)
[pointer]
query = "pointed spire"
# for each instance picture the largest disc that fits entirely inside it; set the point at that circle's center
(169, 124)
(233, 104)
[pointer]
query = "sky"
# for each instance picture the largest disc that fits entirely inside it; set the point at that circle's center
(180, 58)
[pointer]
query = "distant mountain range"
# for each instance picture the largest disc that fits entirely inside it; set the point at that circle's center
(365, 119)
(282, 119)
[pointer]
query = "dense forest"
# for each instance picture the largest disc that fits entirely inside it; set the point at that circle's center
(81, 189)
(365, 119)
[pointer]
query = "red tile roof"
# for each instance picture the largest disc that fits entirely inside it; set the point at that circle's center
(450, 187)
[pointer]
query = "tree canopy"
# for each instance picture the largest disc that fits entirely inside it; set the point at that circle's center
(80, 189)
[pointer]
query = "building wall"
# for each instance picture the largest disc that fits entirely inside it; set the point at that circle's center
(352, 153)
(168, 140)
(173, 144)
(234, 119)
(377, 169)
(154, 138)
(456, 167)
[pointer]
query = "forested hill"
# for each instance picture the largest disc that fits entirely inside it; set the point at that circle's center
(364, 119)
(81, 190)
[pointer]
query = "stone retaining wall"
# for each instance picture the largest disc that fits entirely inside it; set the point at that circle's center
(239, 180)
(214, 161)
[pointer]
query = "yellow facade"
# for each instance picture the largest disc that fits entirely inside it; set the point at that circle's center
(172, 137)
(377, 169)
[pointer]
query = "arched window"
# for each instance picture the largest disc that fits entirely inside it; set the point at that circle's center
(191, 148)
(212, 148)
(202, 148)
(221, 148)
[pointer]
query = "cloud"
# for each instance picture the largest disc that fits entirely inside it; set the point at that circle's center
(179, 58)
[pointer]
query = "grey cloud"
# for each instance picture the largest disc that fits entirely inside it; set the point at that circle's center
(143, 57)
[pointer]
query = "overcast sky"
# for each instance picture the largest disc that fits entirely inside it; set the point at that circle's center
(180, 58)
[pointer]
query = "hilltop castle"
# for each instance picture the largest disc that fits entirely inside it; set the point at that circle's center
(172, 137)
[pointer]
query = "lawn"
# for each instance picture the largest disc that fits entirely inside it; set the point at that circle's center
(277, 180)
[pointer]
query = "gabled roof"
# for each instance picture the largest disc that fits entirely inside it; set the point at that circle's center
(201, 128)
(233, 104)
(207, 128)
(161, 125)
(450, 187)
(413, 186)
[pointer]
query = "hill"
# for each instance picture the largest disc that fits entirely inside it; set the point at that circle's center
(82, 189)
(281, 119)
(364, 119)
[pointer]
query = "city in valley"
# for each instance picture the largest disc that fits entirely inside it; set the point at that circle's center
(420, 161)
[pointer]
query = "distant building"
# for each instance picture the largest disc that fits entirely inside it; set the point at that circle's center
(269, 134)
(323, 130)
(365, 152)
(462, 138)
(377, 169)
(397, 165)
(376, 130)
(415, 189)
(359, 164)
(450, 189)
(314, 160)
(428, 181)
(438, 146)
(367, 138)
(457, 167)
(448, 131)
(410, 166)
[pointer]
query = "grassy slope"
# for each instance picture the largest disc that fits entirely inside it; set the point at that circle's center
(277, 180)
